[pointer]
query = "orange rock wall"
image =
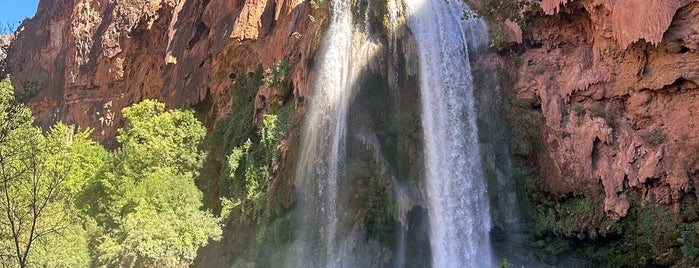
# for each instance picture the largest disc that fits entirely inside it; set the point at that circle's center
(617, 83)
(631, 66)
(84, 60)
(626, 21)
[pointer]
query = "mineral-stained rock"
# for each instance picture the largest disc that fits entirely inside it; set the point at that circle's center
(626, 21)
(617, 82)
(81, 61)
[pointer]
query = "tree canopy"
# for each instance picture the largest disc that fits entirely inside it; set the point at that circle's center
(65, 201)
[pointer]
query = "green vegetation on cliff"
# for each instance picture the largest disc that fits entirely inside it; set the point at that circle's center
(242, 175)
(560, 225)
(498, 12)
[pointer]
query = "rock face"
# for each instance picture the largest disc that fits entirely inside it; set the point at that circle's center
(626, 21)
(616, 83)
(81, 61)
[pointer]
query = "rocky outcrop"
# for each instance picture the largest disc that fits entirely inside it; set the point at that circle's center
(625, 21)
(81, 61)
(616, 83)
(5, 40)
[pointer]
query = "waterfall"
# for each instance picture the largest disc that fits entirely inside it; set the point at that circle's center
(322, 148)
(459, 217)
(456, 189)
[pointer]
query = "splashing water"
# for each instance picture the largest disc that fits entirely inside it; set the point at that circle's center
(323, 147)
(458, 204)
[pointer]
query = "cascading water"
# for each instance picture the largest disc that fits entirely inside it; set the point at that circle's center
(323, 148)
(458, 204)
(458, 207)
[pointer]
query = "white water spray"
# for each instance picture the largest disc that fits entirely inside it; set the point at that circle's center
(322, 152)
(458, 204)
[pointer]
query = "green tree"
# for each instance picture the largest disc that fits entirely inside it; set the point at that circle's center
(145, 203)
(40, 176)
(80, 158)
(17, 139)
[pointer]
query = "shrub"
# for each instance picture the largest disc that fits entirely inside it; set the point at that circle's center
(579, 110)
(688, 238)
(275, 75)
(596, 110)
(541, 69)
(655, 137)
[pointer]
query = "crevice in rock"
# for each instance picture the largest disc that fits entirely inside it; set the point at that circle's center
(595, 153)
(204, 107)
(683, 49)
(202, 30)
(680, 84)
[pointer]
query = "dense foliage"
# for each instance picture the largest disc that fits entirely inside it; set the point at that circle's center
(68, 202)
(243, 175)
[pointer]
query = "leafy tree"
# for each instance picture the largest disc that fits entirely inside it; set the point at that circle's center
(145, 203)
(66, 202)
(40, 176)
(17, 139)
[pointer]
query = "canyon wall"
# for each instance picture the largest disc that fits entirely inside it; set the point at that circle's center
(603, 93)
(607, 93)
(81, 61)
(616, 82)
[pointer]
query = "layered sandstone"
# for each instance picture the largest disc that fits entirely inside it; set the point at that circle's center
(616, 82)
(81, 61)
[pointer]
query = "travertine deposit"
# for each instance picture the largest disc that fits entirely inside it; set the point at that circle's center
(616, 82)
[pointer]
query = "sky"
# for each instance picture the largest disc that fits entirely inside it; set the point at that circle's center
(14, 11)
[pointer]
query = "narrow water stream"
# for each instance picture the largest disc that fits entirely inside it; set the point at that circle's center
(322, 147)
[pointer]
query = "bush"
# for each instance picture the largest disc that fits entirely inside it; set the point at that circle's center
(689, 241)
(276, 75)
(596, 110)
(579, 110)
(655, 137)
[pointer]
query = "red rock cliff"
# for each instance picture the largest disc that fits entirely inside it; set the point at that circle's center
(81, 61)
(616, 83)
(615, 80)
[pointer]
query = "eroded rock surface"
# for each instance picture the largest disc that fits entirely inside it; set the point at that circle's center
(625, 21)
(616, 82)
(81, 61)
